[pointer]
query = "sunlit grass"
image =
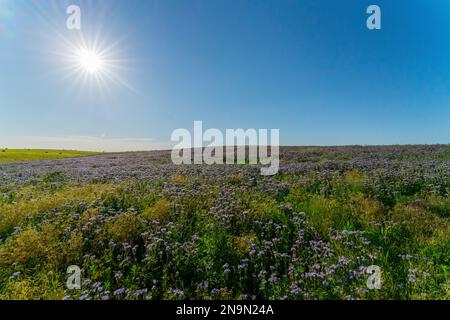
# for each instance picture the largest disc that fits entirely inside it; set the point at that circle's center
(15, 155)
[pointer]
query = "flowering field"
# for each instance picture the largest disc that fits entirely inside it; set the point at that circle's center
(140, 227)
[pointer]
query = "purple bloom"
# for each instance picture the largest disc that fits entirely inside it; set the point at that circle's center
(119, 292)
(405, 256)
(140, 292)
(215, 291)
(178, 293)
(273, 278)
(295, 290)
(17, 229)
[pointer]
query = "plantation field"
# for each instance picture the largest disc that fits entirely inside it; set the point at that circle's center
(140, 227)
(14, 155)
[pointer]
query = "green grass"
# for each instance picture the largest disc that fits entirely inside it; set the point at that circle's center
(16, 155)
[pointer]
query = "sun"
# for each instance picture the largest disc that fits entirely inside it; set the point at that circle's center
(90, 61)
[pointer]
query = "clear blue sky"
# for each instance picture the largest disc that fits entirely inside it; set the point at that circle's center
(308, 67)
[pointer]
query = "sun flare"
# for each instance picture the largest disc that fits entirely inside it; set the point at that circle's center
(90, 61)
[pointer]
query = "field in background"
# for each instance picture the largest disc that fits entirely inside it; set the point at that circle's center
(14, 155)
(140, 227)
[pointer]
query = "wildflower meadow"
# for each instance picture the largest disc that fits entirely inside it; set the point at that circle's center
(141, 228)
